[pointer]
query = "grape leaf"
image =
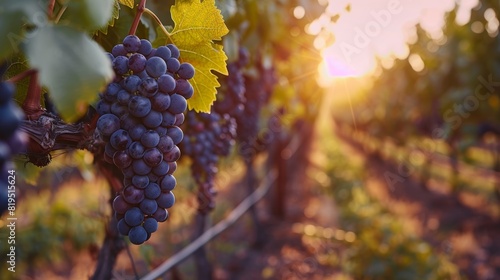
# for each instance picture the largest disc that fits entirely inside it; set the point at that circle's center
(114, 16)
(72, 67)
(196, 26)
(13, 16)
(128, 3)
(88, 14)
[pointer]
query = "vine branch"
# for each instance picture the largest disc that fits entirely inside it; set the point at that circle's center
(158, 21)
(140, 10)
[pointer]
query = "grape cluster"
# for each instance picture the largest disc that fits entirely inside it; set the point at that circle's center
(140, 114)
(258, 91)
(211, 136)
(12, 140)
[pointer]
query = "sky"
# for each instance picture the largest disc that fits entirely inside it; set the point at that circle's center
(380, 28)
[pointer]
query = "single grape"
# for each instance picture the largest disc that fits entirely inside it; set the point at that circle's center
(137, 235)
(139, 106)
(131, 43)
(163, 52)
(156, 66)
(120, 65)
(178, 104)
(133, 195)
(106, 124)
(161, 215)
(152, 191)
(153, 157)
(123, 228)
(140, 167)
(174, 50)
(120, 139)
(186, 71)
(173, 155)
(184, 88)
(140, 182)
(148, 206)
(131, 83)
(120, 205)
(134, 216)
(166, 144)
(118, 50)
(160, 102)
(166, 83)
(122, 159)
(150, 139)
(148, 87)
(146, 48)
(168, 119)
(168, 183)
(150, 225)
(137, 131)
(173, 65)
(165, 200)
(153, 119)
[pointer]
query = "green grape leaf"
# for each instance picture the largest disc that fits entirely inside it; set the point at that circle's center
(13, 15)
(196, 26)
(128, 3)
(71, 66)
(114, 16)
(88, 14)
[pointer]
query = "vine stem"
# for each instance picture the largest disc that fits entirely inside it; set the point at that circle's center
(22, 75)
(31, 105)
(52, 4)
(158, 21)
(140, 10)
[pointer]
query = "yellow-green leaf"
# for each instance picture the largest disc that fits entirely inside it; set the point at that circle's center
(128, 3)
(196, 26)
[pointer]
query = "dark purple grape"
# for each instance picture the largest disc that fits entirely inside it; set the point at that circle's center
(156, 66)
(123, 228)
(118, 50)
(120, 139)
(123, 97)
(184, 88)
(137, 235)
(160, 102)
(186, 71)
(153, 157)
(120, 205)
(139, 106)
(131, 83)
(176, 134)
(173, 155)
(179, 119)
(152, 191)
(137, 131)
(107, 124)
(150, 225)
(174, 50)
(133, 195)
(111, 92)
(163, 52)
(118, 109)
(178, 104)
(140, 167)
(131, 43)
(137, 62)
(173, 65)
(102, 107)
(161, 130)
(145, 47)
(172, 166)
(140, 182)
(166, 144)
(166, 83)
(148, 206)
(120, 65)
(153, 119)
(168, 183)
(168, 119)
(161, 215)
(165, 200)
(150, 139)
(122, 159)
(148, 87)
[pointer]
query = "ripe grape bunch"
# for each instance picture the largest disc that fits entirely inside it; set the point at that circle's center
(140, 114)
(12, 140)
(210, 136)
